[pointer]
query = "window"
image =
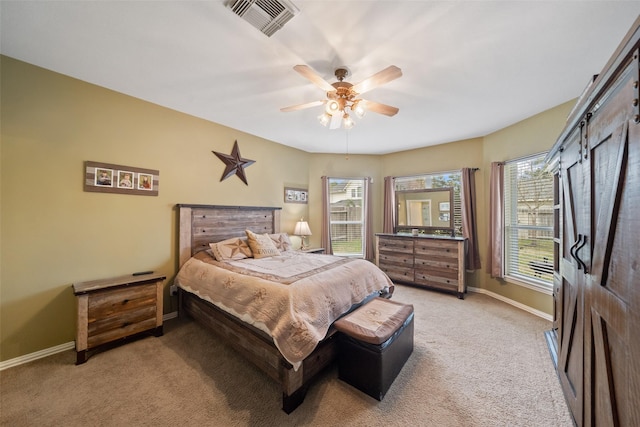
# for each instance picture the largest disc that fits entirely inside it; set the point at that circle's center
(528, 222)
(439, 180)
(347, 216)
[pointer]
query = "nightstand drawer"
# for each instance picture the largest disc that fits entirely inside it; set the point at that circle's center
(107, 303)
(113, 328)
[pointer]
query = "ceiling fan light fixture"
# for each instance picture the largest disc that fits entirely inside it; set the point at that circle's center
(332, 107)
(342, 96)
(324, 119)
(358, 109)
(347, 121)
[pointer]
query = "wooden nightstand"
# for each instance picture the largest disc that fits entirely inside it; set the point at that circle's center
(110, 309)
(313, 250)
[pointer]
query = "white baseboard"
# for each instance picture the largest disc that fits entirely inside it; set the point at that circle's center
(20, 360)
(37, 355)
(517, 304)
(168, 316)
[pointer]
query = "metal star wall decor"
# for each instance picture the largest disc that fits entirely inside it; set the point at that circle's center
(234, 163)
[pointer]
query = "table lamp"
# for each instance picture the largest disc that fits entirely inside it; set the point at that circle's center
(302, 229)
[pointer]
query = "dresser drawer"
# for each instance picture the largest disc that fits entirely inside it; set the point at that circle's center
(436, 262)
(444, 275)
(437, 248)
(397, 273)
(436, 282)
(394, 258)
(397, 245)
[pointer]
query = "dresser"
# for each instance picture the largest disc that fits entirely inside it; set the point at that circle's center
(596, 329)
(435, 262)
(115, 308)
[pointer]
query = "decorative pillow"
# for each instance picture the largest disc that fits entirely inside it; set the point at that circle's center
(231, 249)
(282, 241)
(261, 245)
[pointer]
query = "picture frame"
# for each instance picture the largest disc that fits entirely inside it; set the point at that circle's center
(444, 206)
(125, 179)
(295, 195)
(102, 177)
(145, 182)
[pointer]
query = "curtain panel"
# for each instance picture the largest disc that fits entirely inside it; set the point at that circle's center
(368, 226)
(469, 227)
(496, 220)
(389, 213)
(325, 238)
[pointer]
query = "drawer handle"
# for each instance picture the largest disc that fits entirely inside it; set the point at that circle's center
(125, 301)
(125, 324)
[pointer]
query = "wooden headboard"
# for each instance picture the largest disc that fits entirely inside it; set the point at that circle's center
(202, 224)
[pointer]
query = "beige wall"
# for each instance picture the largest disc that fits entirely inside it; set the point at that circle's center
(53, 233)
(531, 136)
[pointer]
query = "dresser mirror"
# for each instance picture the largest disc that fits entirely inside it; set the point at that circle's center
(429, 211)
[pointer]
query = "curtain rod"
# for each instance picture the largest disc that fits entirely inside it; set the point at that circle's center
(434, 173)
(527, 156)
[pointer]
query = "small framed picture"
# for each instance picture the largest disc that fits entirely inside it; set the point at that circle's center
(125, 179)
(120, 179)
(104, 177)
(444, 206)
(295, 195)
(145, 181)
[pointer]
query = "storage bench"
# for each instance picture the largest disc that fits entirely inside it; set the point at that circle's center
(374, 343)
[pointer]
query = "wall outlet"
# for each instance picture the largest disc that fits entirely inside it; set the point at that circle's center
(173, 290)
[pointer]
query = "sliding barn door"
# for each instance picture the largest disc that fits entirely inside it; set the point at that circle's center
(570, 293)
(612, 294)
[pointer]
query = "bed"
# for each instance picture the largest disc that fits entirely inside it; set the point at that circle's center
(293, 345)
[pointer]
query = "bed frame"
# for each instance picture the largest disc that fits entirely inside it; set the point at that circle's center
(201, 224)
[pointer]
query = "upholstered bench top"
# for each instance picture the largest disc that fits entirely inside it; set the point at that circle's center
(376, 321)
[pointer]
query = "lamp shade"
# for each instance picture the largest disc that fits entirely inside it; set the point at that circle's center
(302, 229)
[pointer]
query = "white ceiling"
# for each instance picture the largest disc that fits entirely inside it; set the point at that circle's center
(469, 67)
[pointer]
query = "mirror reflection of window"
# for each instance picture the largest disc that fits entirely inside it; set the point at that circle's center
(424, 208)
(419, 213)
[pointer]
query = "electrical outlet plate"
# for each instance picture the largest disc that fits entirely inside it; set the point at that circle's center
(173, 290)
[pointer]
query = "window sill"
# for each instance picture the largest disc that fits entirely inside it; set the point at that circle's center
(541, 287)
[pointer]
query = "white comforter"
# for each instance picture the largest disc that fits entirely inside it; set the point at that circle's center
(294, 297)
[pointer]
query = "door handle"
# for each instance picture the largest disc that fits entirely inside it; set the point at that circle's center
(580, 262)
(572, 249)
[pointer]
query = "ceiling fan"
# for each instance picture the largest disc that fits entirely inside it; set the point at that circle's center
(343, 96)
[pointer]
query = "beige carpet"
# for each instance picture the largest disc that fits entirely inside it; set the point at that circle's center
(476, 362)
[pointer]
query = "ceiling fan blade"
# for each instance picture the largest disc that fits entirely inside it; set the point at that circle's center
(308, 73)
(378, 79)
(303, 106)
(376, 107)
(336, 121)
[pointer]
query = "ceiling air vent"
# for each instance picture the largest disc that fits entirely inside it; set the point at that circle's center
(266, 15)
